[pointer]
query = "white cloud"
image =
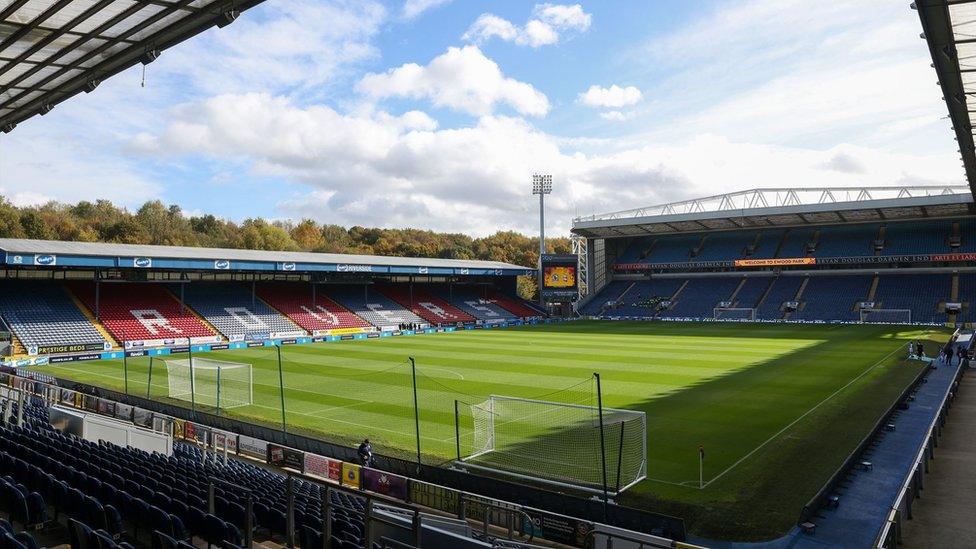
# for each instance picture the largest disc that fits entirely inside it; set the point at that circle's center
(615, 116)
(612, 97)
(462, 79)
(386, 170)
(542, 29)
(413, 8)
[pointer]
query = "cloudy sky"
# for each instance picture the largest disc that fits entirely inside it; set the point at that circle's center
(435, 113)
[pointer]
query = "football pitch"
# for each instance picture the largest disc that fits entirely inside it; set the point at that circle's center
(776, 407)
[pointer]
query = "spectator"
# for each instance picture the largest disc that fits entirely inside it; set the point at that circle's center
(911, 350)
(365, 452)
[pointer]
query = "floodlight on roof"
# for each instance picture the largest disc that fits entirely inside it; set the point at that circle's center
(91, 84)
(46, 108)
(151, 55)
(7, 128)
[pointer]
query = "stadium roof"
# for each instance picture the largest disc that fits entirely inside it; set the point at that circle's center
(51, 50)
(782, 208)
(949, 27)
(16, 251)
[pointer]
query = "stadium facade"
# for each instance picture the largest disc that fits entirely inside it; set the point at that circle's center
(889, 254)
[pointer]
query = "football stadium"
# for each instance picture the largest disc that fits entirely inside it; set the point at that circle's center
(770, 367)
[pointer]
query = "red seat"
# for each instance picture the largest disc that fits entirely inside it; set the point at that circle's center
(514, 306)
(141, 312)
(425, 305)
(295, 301)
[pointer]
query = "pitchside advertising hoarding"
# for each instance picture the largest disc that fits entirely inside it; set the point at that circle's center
(559, 277)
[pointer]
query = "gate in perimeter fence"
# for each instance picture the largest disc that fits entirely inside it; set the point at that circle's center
(447, 490)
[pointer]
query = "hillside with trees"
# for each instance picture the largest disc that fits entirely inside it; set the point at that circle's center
(157, 223)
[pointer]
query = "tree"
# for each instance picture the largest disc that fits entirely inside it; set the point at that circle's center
(308, 236)
(33, 226)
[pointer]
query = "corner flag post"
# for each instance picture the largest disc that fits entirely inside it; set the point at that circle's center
(701, 466)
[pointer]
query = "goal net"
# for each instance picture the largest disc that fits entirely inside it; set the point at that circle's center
(734, 313)
(886, 316)
(555, 443)
(209, 382)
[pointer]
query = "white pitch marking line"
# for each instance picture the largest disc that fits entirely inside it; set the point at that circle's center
(805, 414)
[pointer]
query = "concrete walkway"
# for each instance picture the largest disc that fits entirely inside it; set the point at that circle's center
(943, 515)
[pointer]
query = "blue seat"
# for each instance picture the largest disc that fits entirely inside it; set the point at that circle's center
(26, 540)
(80, 535)
(162, 541)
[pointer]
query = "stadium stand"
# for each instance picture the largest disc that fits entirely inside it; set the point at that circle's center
(796, 242)
(967, 296)
(921, 294)
(295, 301)
(140, 311)
(372, 306)
(607, 298)
(234, 312)
(751, 291)
(514, 305)
(633, 302)
(832, 298)
(726, 245)
(967, 235)
(43, 314)
(673, 248)
(917, 237)
(700, 296)
(474, 301)
(424, 304)
(784, 288)
(846, 240)
(769, 241)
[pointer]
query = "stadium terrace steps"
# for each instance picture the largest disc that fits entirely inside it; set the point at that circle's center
(425, 304)
(782, 289)
(372, 306)
(41, 314)
(235, 312)
(102, 329)
(142, 312)
(295, 302)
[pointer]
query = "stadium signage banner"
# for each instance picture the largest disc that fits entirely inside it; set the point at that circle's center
(142, 262)
(385, 483)
(778, 262)
(559, 277)
(222, 264)
(281, 456)
(288, 266)
(343, 268)
(560, 529)
(46, 260)
(75, 348)
(671, 265)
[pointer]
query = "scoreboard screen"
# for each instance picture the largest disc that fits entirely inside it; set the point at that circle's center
(559, 280)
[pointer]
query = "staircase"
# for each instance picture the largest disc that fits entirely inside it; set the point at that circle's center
(798, 296)
(603, 308)
(16, 347)
(648, 251)
(701, 244)
(737, 289)
(874, 288)
(880, 240)
(202, 320)
(782, 242)
(91, 318)
(765, 293)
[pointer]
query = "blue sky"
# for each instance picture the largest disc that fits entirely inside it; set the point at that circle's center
(435, 113)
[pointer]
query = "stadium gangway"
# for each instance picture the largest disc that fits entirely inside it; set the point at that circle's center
(890, 534)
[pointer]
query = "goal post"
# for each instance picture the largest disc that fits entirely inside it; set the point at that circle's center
(885, 316)
(217, 383)
(734, 313)
(554, 443)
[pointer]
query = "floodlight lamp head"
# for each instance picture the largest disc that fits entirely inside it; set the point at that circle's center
(151, 55)
(46, 108)
(91, 84)
(541, 184)
(7, 128)
(228, 17)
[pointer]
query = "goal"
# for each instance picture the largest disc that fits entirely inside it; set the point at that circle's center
(734, 313)
(555, 443)
(886, 316)
(216, 383)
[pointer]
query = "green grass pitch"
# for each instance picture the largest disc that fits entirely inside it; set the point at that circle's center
(777, 407)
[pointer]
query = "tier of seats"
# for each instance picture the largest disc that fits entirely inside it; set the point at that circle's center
(833, 297)
(296, 301)
(783, 289)
(140, 311)
(700, 297)
(372, 306)
(425, 304)
(43, 314)
(633, 303)
(475, 302)
(899, 238)
(233, 310)
(921, 294)
(514, 305)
